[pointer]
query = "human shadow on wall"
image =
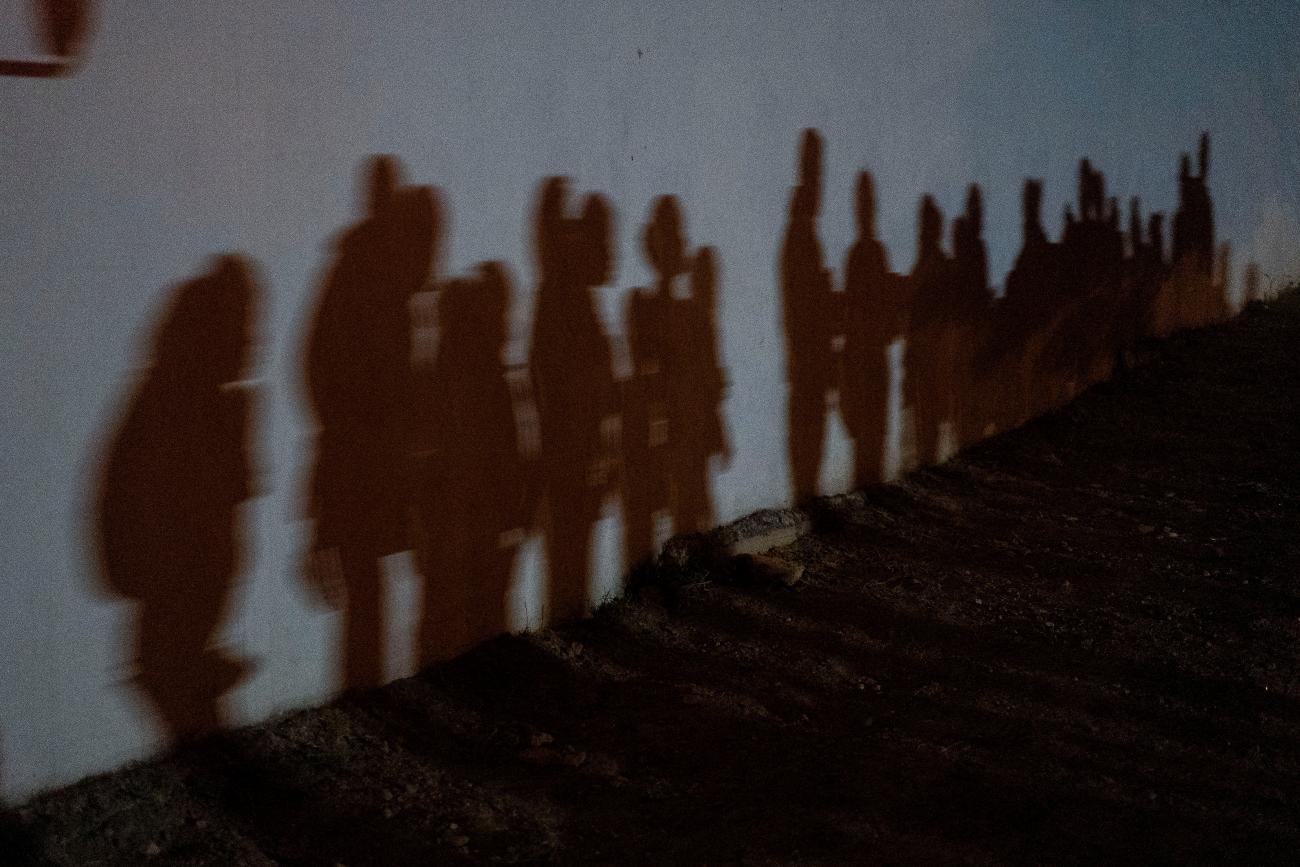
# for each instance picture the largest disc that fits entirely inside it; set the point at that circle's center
(646, 423)
(696, 393)
(671, 400)
(361, 391)
(437, 450)
(475, 485)
(1077, 310)
(974, 305)
(1091, 253)
(577, 399)
(1197, 297)
(1074, 311)
(951, 311)
(1021, 317)
(931, 358)
(808, 314)
(1140, 278)
(876, 311)
(166, 512)
(62, 27)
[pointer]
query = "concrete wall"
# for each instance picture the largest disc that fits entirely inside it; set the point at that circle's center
(190, 129)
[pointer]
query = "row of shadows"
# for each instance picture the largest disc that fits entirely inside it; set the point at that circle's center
(1072, 311)
(454, 455)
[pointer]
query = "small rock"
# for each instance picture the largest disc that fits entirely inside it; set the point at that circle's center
(771, 538)
(459, 842)
(540, 739)
(1146, 529)
(152, 849)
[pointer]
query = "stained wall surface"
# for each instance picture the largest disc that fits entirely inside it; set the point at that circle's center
(185, 131)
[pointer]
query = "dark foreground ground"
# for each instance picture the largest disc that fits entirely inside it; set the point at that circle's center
(1075, 643)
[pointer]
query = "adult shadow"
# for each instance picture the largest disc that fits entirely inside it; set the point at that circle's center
(1198, 297)
(696, 391)
(166, 524)
(359, 383)
(672, 425)
(974, 392)
(644, 393)
(475, 486)
(808, 314)
(875, 315)
(576, 397)
(932, 357)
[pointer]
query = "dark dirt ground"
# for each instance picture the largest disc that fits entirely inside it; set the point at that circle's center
(1074, 643)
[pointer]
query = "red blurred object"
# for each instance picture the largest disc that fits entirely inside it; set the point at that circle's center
(61, 27)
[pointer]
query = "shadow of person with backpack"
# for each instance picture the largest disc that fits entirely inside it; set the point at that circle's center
(167, 522)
